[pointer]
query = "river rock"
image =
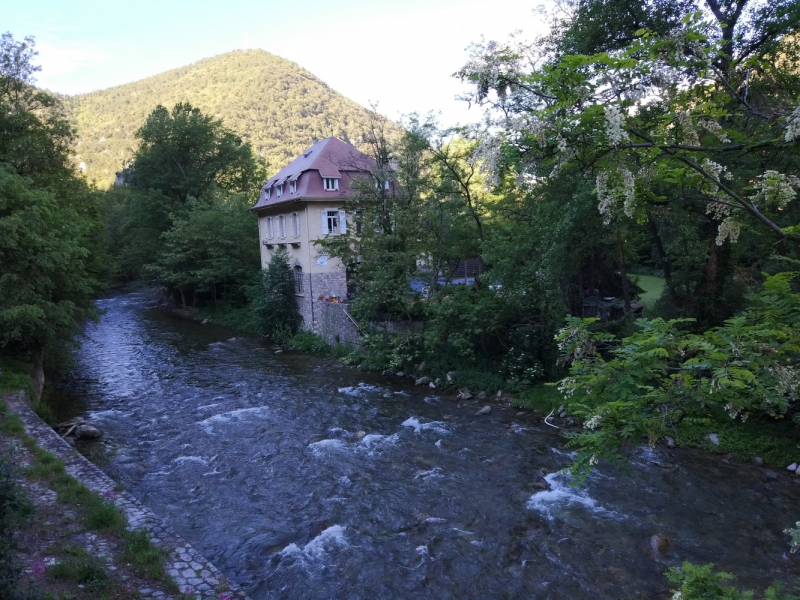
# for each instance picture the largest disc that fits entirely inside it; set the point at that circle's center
(464, 395)
(713, 438)
(432, 385)
(560, 409)
(499, 393)
(757, 461)
(451, 377)
(361, 434)
(792, 467)
(400, 374)
(88, 432)
(563, 414)
(770, 474)
(422, 381)
(670, 442)
(204, 322)
(482, 396)
(660, 543)
(485, 410)
(421, 367)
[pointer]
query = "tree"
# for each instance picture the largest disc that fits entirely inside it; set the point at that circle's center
(50, 234)
(695, 128)
(272, 299)
(182, 153)
(209, 250)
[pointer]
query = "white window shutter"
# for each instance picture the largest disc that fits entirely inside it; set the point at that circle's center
(342, 222)
(325, 222)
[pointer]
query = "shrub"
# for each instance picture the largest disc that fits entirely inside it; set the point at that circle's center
(309, 343)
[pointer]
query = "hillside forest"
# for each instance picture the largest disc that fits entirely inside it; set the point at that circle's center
(629, 145)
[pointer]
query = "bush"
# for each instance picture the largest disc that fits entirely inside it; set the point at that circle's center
(272, 300)
(309, 343)
(699, 582)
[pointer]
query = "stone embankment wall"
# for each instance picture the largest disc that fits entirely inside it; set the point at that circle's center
(185, 564)
(329, 320)
(335, 325)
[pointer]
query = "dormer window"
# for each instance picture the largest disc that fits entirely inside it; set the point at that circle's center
(267, 191)
(331, 184)
(279, 190)
(293, 186)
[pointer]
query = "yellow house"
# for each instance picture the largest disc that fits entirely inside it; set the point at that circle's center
(304, 202)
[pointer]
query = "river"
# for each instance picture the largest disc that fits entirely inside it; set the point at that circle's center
(302, 478)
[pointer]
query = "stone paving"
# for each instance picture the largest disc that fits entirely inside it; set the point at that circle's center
(195, 575)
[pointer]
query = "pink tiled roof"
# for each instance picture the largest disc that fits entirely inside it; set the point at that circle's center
(331, 157)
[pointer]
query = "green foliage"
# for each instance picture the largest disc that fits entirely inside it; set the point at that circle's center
(661, 376)
(700, 582)
(146, 558)
(183, 153)
(14, 509)
(50, 234)
(81, 567)
(273, 104)
(209, 249)
(794, 532)
(272, 299)
(543, 398)
(309, 343)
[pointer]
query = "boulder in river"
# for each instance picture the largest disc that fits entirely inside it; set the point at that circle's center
(464, 395)
(482, 396)
(757, 461)
(423, 381)
(87, 432)
(792, 467)
(670, 442)
(451, 377)
(660, 543)
(485, 410)
(713, 438)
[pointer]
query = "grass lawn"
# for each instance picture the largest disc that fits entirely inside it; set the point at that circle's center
(652, 286)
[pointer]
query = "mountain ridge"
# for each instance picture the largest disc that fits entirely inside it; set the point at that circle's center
(271, 102)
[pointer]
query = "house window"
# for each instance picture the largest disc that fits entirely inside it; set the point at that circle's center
(279, 190)
(298, 279)
(331, 183)
(281, 226)
(294, 223)
(268, 233)
(333, 221)
(267, 191)
(293, 186)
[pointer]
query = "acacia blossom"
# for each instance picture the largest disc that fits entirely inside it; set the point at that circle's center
(615, 122)
(607, 195)
(793, 125)
(690, 137)
(605, 200)
(487, 155)
(776, 188)
(715, 129)
(628, 192)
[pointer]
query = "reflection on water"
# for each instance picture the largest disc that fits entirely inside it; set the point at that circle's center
(301, 478)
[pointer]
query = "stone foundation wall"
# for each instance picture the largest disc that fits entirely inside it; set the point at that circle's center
(335, 326)
(329, 320)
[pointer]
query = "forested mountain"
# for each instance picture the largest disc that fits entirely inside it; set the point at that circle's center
(273, 103)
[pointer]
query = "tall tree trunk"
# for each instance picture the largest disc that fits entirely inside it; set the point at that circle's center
(623, 272)
(662, 255)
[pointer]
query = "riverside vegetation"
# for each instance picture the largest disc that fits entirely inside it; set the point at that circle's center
(662, 139)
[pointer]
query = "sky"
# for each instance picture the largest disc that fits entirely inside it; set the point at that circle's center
(400, 55)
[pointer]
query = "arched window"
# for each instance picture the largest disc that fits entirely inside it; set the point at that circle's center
(298, 279)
